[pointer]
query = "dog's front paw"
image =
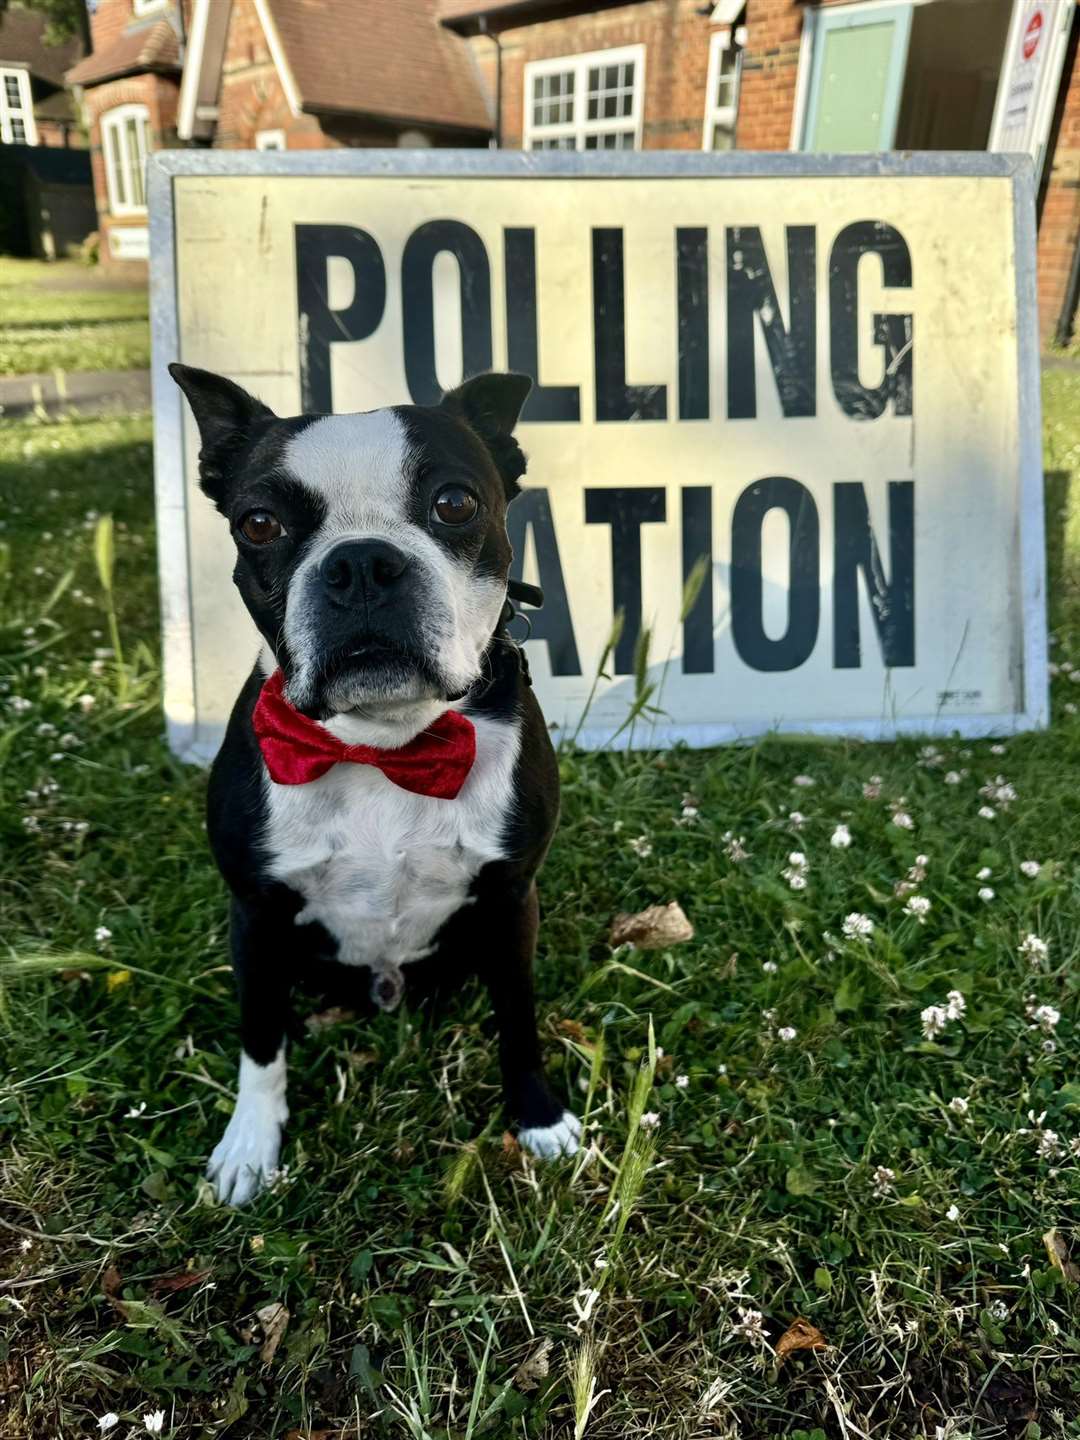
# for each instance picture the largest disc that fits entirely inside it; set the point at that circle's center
(246, 1156)
(547, 1141)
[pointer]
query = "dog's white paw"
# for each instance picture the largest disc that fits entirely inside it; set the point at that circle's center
(246, 1156)
(547, 1141)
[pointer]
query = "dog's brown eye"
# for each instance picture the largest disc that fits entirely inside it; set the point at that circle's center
(261, 528)
(455, 505)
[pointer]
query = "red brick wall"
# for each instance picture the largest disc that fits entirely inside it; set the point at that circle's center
(1059, 224)
(676, 36)
(769, 69)
(159, 93)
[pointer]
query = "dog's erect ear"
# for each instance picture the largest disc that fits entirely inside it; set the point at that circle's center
(224, 414)
(490, 406)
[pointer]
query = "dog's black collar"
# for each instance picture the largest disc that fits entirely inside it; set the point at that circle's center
(525, 594)
(502, 641)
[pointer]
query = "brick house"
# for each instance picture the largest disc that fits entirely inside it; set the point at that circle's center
(35, 108)
(840, 75)
(263, 74)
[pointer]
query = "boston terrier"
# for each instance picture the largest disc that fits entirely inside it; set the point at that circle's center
(387, 789)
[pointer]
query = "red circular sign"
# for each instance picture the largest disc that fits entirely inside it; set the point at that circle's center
(1032, 34)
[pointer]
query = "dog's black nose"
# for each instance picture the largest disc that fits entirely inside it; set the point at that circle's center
(362, 569)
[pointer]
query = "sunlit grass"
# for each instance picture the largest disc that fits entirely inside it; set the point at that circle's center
(769, 1135)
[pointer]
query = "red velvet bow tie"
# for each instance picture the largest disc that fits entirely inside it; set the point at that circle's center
(297, 749)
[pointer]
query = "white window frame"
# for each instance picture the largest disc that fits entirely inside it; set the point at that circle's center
(580, 126)
(115, 119)
(723, 116)
(139, 8)
(24, 110)
(270, 140)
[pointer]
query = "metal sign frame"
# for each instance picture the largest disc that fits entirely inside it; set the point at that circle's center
(172, 492)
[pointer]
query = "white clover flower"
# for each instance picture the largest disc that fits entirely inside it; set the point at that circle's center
(1046, 1017)
(642, 846)
(1049, 1145)
(735, 847)
(1030, 868)
(795, 879)
(690, 812)
(154, 1421)
(986, 812)
(958, 1105)
(650, 1120)
(786, 1033)
(953, 1213)
(102, 934)
(796, 819)
(804, 781)
(750, 1325)
(857, 926)
(20, 704)
(952, 777)
(840, 838)
(86, 703)
(903, 820)
(31, 823)
(797, 860)
(108, 1421)
(721, 1069)
(883, 1179)
(682, 1081)
(770, 967)
(984, 873)
(997, 749)
(1000, 791)
(919, 906)
(998, 1310)
(986, 894)
(921, 861)
(1033, 950)
(956, 1006)
(934, 1019)
(872, 789)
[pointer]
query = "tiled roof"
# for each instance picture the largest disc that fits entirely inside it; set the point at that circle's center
(142, 47)
(372, 57)
(21, 44)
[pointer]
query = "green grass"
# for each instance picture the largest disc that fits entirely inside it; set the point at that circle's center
(45, 325)
(825, 1176)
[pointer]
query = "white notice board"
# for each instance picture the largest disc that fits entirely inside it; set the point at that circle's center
(819, 373)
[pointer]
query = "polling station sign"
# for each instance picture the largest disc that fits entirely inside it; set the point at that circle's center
(814, 379)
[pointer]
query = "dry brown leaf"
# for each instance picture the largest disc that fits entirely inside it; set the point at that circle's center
(314, 1434)
(534, 1367)
(800, 1335)
(652, 929)
(573, 1031)
(178, 1280)
(511, 1148)
(1059, 1256)
(273, 1320)
(111, 1284)
(325, 1019)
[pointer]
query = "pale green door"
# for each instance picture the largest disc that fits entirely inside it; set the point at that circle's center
(856, 78)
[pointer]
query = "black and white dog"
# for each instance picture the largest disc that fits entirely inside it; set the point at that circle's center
(387, 789)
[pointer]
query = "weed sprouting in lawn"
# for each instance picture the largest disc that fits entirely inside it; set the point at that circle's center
(770, 1135)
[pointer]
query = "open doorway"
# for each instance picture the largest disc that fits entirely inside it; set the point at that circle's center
(954, 64)
(930, 75)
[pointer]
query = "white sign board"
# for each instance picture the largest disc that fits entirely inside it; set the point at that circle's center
(129, 242)
(821, 375)
(1028, 88)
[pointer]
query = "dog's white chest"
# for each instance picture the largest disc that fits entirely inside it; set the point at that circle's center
(381, 869)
